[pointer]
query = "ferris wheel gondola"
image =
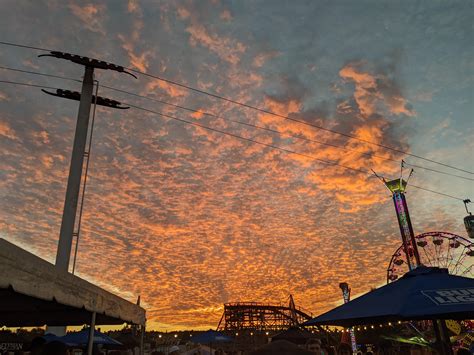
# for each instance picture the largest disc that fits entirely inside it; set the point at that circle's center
(469, 221)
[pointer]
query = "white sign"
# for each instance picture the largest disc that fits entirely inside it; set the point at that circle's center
(450, 297)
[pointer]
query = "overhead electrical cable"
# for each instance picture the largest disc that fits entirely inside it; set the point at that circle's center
(370, 174)
(332, 163)
(436, 171)
(288, 135)
(39, 73)
(28, 84)
(350, 136)
(25, 46)
(214, 130)
(247, 139)
(370, 155)
(220, 97)
(436, 192)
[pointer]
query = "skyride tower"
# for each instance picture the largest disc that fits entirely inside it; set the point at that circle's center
(398, 187)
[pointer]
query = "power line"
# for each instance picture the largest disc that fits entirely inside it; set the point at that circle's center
(279, 148)
(366, 172)
(27, 84)
(255, 126)
(437, 171)
(39, 73)
(436, 192)
(209, 114)
(214, 130)
(25, 46)
(294, 119)
(220, 97)
(370, 155)
(248, 139)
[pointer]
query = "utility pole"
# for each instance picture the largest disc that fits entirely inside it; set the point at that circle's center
(66, 234)
(75, 172)
(85, 98)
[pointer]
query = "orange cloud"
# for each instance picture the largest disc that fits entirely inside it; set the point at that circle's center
(4, 97)
(91, 16)
(225, 15)
(139, 61)
(365, 93)
(227, 49)
(133, 6)
(7, 131)
(190, 219)
(171, 90)
(398, 105)
(197, 115)
(261, 58)
(374, 91)
(183, 12)
(42, 136)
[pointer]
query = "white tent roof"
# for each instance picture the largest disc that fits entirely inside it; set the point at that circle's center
(34, 292)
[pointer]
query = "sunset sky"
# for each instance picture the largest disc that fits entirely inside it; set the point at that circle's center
(189, 218)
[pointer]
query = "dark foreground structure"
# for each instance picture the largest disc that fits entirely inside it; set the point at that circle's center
(34, 293)
(260, 316)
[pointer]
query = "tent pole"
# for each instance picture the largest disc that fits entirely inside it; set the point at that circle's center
(444, 345)
(142, 336)
(439, 341)
(445, 335)
(90, 342)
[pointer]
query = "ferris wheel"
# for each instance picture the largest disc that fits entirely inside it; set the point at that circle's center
(441, 249)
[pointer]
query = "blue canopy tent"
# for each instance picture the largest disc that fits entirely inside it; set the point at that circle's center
(210, 337)
(82, 338)
(51, 337)
(426, 293)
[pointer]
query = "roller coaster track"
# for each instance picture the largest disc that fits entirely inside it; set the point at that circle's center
(260, 316)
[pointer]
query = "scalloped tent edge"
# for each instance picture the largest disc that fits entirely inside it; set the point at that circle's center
(33, 292)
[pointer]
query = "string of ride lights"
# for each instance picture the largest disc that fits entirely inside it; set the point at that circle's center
(187, 87)
(283, 134)
(360, 328)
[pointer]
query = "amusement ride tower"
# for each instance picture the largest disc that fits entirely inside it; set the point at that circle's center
(397, 188)
(346, 295)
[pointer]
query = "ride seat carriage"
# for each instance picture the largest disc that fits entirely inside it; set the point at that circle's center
(469, 224)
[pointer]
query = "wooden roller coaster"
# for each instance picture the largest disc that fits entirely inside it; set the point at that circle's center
(260, 316)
